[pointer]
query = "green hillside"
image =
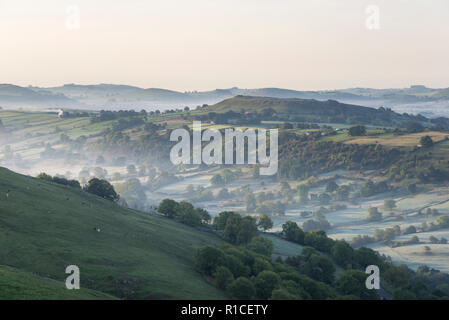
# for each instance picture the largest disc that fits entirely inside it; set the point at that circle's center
(309, 110)
(45, 227)
(17, 284)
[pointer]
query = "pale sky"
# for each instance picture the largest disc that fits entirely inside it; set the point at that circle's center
(208, 44)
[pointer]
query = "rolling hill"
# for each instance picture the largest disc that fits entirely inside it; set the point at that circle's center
(310, 110)
(45, 227)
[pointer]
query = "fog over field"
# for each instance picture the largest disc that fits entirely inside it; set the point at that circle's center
(224, 150)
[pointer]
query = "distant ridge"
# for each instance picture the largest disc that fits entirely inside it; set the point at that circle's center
(118, 96)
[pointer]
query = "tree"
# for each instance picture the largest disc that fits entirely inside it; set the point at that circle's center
(265, 222)
(398, 276)
(222, 219)
(237, 229)
(102, 188)
(208, 259)
(242, 289)
(318, 239)
(342, 253)
(292, 232)
(426, 141)
(357, 131)
(204, 215)
(265, 282)
(191, 218)
(366, 256)
(410, 230)
(374, 214)
(389, 204)
(319, 268)
(247, 230)
(223, 277)
(169, 208)
(352, 282)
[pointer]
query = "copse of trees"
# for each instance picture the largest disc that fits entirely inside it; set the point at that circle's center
(370, 188)
(246, 274)
(236, 228)
(185, 212)
(59, 180)
(300, 158)
(357, 131)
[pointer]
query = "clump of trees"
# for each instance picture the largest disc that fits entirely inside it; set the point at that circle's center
(247, 271)
(247, 274)
(370, 188)
(236, 229)
(357, 131)
(185, 212)
(59, 180)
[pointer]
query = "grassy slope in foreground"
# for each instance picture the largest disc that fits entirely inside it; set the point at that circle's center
(44, 227)
(18, 284)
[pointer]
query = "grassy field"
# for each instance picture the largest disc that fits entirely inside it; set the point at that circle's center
(17, 284)
(44, 227)
(407, 140)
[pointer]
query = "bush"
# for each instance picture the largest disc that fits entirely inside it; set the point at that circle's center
(265, 283)
(342, 253)
(242, 289)
(208, 259)
(223, 277)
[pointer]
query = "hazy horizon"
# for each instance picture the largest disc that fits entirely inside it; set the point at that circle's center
(203, 45)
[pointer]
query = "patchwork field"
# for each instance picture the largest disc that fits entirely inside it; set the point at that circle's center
(407, 140)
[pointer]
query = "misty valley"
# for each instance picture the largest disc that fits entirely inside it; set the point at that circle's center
(355, 186)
